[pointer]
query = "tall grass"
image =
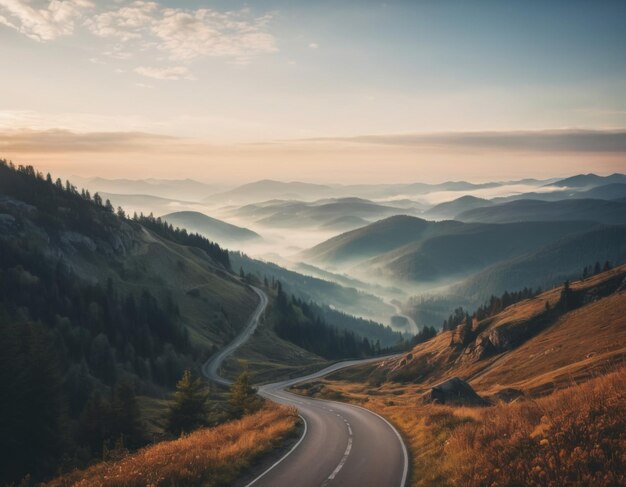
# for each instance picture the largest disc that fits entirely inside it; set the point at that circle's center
(575, 436)
(207, 457)
(572, 437)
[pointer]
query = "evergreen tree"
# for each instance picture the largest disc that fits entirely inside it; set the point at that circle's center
(126, 417)
(188, 410)
(242, 398)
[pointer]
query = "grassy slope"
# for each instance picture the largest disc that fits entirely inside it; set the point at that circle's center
(208, 457)
(572, 411)
(213, 304)
(571, 345)
(269, 358)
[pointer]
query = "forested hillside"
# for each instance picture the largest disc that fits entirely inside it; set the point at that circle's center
(95, 309)
(302, 324)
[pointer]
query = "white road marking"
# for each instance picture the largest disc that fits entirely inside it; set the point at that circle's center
(341, 463)
(349, 430)
(405, 453)
(286, 455)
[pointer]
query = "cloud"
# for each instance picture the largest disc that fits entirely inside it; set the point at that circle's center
(43, 24)
(125, 23)
(170, 73)
(609, 141)
(179, 34)
(314, 45)
(185, 34)
(65, 141)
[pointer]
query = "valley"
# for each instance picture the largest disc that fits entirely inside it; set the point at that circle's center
(374, 316)
(312, 244)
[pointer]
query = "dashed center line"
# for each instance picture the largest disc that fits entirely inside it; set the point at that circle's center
(341, 463)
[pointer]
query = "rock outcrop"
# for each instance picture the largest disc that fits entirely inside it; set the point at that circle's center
(455, 392)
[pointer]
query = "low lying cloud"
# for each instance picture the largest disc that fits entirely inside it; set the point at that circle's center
(613, 141)
(46, 23)
(66, 141)
(170, 73)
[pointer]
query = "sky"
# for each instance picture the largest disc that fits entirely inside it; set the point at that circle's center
(330, 91)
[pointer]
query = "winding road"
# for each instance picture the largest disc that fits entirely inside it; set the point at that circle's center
(342, 444)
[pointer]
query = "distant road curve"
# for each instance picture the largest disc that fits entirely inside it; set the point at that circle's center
(211, 367)
(342, 444)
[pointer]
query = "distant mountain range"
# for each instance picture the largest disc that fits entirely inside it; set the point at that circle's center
(330, 214)
(589, 180)
(146, 204)
(413, 250)
(268, 189)
(549, 265)
(450, 209)
(603, 211)
(177, 189)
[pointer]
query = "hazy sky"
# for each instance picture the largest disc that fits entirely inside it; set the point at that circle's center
(314, 90)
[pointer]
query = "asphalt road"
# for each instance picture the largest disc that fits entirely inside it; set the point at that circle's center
(211, 367)
(342, 444)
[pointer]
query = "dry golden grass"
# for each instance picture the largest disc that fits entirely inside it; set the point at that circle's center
(568, 430)
(579, 344)
(207, 457)
(575, 436)
(572, 347)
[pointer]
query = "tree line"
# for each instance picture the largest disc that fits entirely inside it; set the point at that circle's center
(62, 205)
(297, 321)
(492, 307)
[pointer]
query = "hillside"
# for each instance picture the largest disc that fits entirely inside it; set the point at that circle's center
(326, 292)
(543, 399)
(611, 191)
(557, 339)
(212, 228)
(374, 239)
(601, 211)
(449, 209)
(415, 250)
(589, 180)
(334, 213)
(468, 248)
(549, 265)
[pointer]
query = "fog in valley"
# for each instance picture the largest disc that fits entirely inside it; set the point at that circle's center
(413, 251)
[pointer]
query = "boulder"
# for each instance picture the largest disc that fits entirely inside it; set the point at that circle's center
(455, 392)
(508, 395)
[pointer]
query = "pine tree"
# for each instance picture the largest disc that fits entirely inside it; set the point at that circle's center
(188, 410)
(126, 416)
(242, 396)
